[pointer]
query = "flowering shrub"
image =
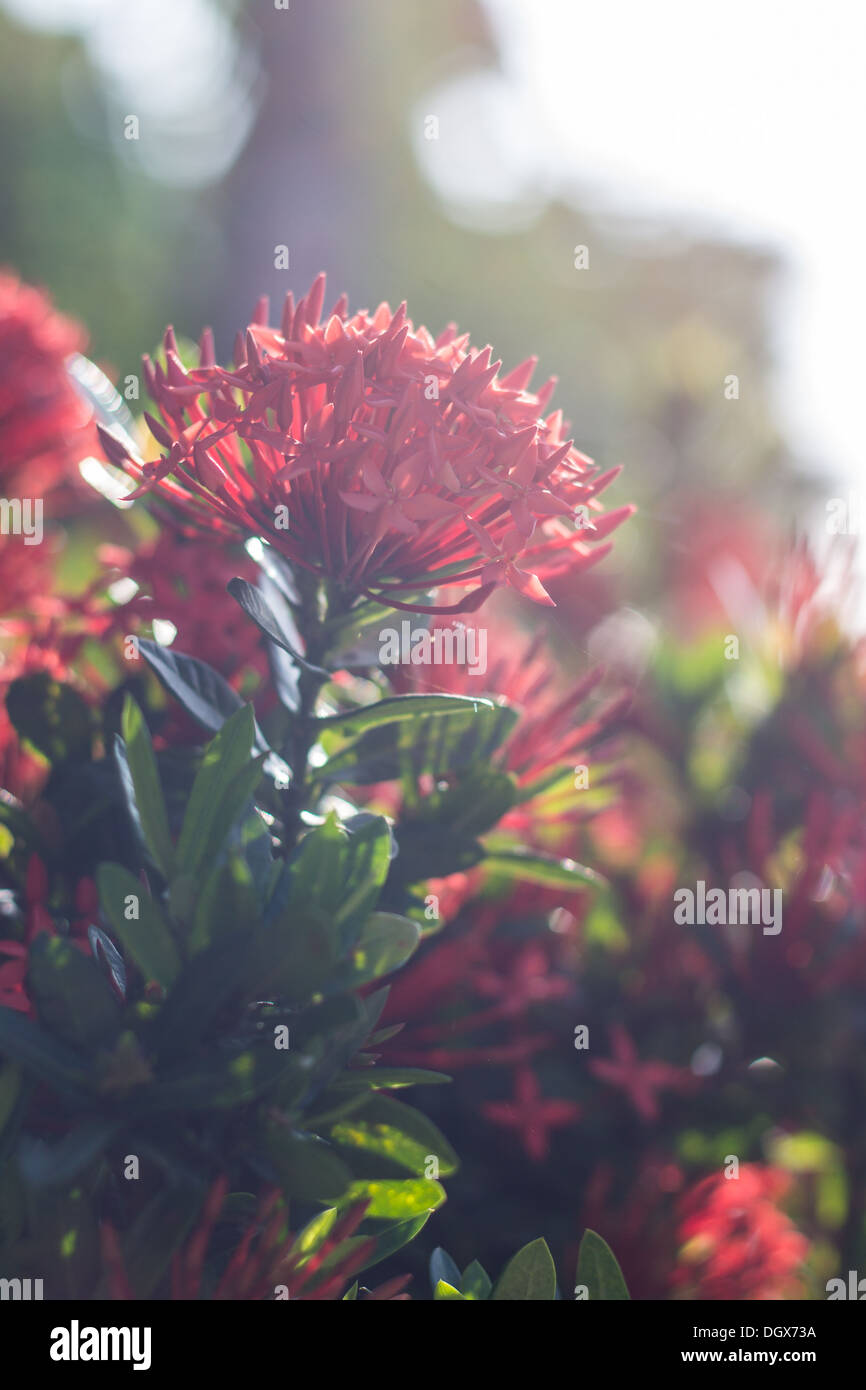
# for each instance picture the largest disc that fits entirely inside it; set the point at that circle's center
(268, 860)
(197, 924)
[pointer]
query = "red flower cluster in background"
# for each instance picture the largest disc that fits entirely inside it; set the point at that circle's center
(45, 427)
(182, 581)
(735, 1243)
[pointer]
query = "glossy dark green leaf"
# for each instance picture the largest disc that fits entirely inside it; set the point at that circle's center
(72, 995)
(386, 942)
(203, 692)
(220, 791)
(388, 1078)
(139, 925)
(529, 1275)
(525, 866)
(217, 1083)
(226, 902)
(262, 613)
(396, 1199)
(339, 870)
(387, 1240)
(290, 959)
(308, 1169)
(476, 1282)
(38, 1053)
(467, 737)
(147, 792)
(395, 709)
(443, 1291)
(398, 1133)
(443, 1268)
(50, 1165)
(598, 1270)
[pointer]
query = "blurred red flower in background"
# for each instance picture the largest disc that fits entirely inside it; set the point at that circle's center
(735, 1243)
(640, 1081)
(183, 581)
(45, 427)
(531, 1114)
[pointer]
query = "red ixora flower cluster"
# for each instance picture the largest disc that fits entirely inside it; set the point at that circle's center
(735, 1242)
(42, 418)
(372, 454)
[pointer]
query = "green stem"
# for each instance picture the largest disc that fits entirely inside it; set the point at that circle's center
(314, 618)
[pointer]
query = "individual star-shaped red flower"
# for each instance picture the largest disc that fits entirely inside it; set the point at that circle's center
(639, 1080)
(528, 980)
(531, 1114)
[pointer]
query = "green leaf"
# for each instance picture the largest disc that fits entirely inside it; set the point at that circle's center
(148, 798)
(438, 835)
(393, 1238)
(467, 737)
(308, 1169)
(476, 1282)
(52, 717)
(397, 1132)
(220, 791)
(443, 1269)
(443, 1291)
(527, 867)
(202, 691)
(202, 991)
(254, 604)
(227, 899)
(397, 1198)
(292, 959)
(386, 942)
(397, 708)
(598, 1270)
(315, 1233)
(220, 1083)
(147, 938)
(529, 1275)
(72, 996)
(38, 1053)
(50, 1165)
(388, 1078)
(338, 869)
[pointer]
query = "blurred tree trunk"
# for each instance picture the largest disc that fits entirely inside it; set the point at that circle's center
(329, 161)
